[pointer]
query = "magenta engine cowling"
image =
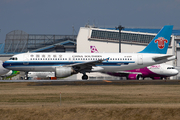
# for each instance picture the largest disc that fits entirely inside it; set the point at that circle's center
(132, 76)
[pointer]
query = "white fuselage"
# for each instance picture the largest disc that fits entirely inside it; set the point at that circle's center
(163, 69)
(112, 61)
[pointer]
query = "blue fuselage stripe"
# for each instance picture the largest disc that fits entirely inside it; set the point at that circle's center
(46, 63)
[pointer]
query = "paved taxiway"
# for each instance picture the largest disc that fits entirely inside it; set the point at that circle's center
(98, 82)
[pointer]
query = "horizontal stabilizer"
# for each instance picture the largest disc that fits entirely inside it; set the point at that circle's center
(162, 58)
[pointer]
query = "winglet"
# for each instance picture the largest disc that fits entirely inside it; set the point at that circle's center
(160, 43)
(107, 59)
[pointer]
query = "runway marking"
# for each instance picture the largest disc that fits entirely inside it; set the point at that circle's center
(107, 81)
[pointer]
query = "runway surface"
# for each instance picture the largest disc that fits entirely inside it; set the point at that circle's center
(97, 82)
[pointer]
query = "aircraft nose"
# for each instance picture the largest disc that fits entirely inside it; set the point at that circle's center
(176, 72)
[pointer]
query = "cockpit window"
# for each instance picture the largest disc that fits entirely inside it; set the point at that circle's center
(13, 58)
(170, 68)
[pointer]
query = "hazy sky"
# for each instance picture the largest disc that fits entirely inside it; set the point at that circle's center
(58, 16)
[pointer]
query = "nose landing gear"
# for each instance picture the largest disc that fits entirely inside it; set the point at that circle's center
(26, 76)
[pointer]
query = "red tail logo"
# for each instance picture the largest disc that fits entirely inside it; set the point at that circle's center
(160, 42)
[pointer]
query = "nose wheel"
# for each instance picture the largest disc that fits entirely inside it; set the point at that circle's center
(84, 77)
(26, 76)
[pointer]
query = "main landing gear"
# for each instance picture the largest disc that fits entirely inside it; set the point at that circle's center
(84, 77)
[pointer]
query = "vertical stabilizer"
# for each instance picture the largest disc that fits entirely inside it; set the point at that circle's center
(160, 43)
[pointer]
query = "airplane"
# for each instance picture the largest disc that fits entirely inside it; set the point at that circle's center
(34, 75)
(9, 74)
(3, 70)
(158, 71)
(67, 64)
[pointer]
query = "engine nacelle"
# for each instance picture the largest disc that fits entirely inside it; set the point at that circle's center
(64, 72)
(133, 77)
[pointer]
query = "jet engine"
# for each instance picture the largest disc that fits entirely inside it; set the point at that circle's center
(133, 77)
(64, 72)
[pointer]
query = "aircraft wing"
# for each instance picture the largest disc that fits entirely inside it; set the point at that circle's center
(162, 58)
(85, 66)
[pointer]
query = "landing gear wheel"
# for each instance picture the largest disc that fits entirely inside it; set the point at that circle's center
(139, 77)
(26, 76)
(84, 77)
